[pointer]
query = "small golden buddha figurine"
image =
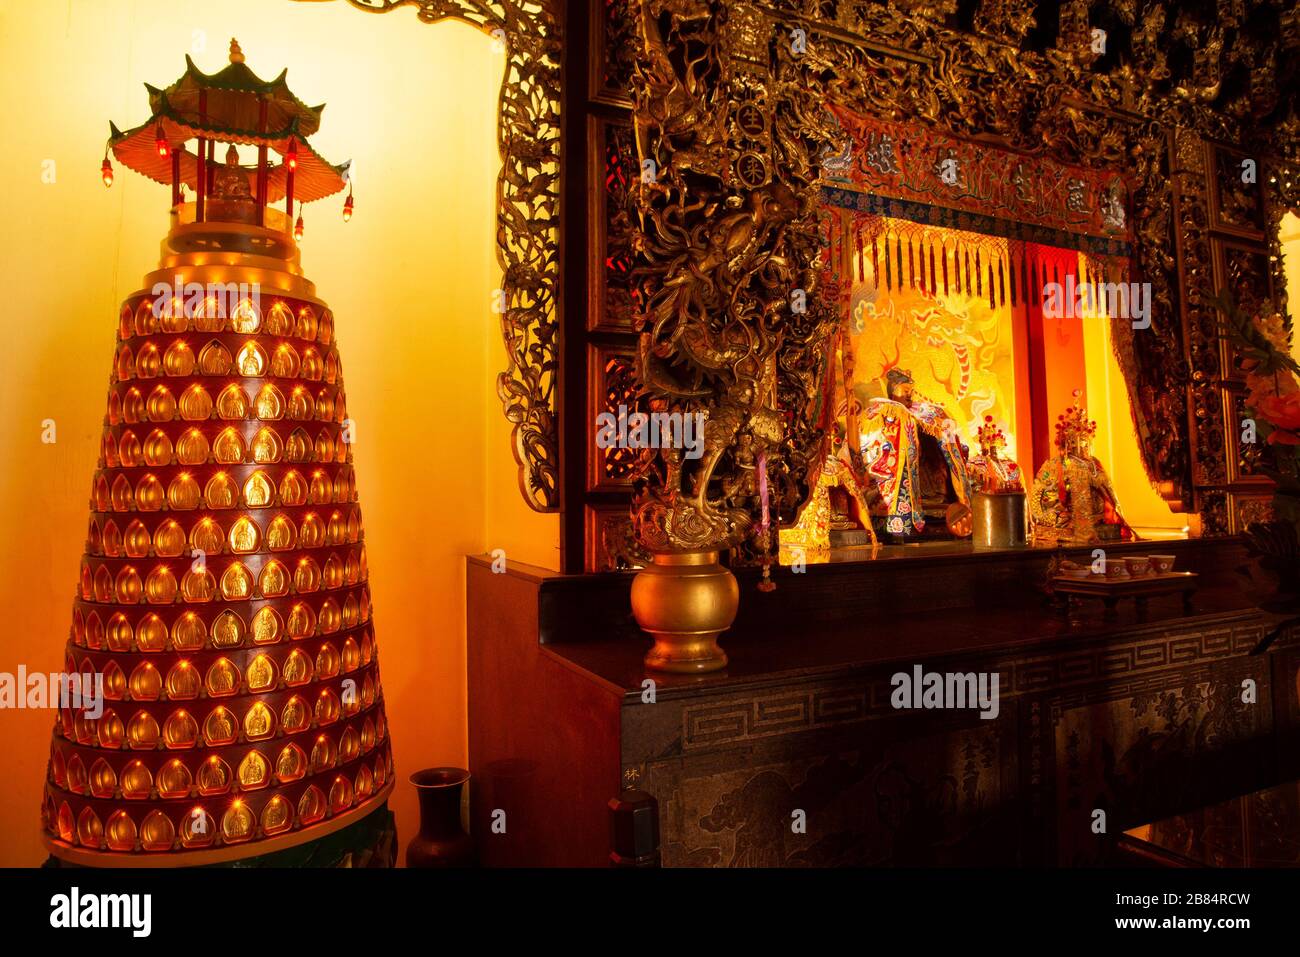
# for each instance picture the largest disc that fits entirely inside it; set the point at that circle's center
(232, 198)
(230, 181)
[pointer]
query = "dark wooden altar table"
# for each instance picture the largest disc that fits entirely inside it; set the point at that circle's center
(1137, 715)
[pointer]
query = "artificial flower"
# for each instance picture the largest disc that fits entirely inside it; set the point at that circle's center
(1283, 413)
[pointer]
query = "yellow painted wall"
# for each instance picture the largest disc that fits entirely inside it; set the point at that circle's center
(1115, 443)
(1289, 237)
(409, 280)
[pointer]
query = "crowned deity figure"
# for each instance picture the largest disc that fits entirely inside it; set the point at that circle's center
(1073, 501)
(991, 471)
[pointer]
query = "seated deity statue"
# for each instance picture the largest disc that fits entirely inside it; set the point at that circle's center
(913, 457)
(1073, 501)
(230, 181)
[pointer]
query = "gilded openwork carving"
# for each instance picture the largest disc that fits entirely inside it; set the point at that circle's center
(528, 203)
(733, 322)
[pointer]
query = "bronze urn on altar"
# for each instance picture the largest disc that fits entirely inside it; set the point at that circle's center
(684, 601)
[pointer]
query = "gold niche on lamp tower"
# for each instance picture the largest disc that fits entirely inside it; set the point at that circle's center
(223, 595)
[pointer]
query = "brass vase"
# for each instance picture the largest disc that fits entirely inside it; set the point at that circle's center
(999, 519)
(684, 601)
(441, 842)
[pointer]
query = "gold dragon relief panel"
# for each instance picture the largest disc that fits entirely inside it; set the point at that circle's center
(732, 325)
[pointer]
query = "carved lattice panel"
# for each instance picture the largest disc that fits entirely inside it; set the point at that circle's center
(613, 302)
(1245, 274)
(614, 390)
(616, 41)
(1247, 460)
(611, 542)
(1238, 194)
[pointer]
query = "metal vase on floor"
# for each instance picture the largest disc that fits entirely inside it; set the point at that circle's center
(442, 841)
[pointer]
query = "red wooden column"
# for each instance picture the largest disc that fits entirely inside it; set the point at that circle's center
(261, 162)
(201, 175)
(288, 186)
(176, 177)
(1056, 358)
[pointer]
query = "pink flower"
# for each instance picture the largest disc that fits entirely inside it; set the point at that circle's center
(1283, 413)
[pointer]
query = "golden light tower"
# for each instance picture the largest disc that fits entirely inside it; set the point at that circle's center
(223, 595)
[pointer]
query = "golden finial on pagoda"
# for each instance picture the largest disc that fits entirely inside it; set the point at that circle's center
(236, 54)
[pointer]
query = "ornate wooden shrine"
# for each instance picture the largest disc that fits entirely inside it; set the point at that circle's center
(701, 144)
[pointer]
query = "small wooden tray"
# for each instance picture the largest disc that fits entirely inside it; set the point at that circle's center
(1111, 590)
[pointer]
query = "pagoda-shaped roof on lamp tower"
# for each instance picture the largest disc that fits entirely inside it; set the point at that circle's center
(233, 95)
(235, 107)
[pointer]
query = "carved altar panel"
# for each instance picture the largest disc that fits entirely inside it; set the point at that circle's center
(814, 775)
(1247, 509)
(1135, 737)
(1245, 273)
(1136, 748)
(1247, 461)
